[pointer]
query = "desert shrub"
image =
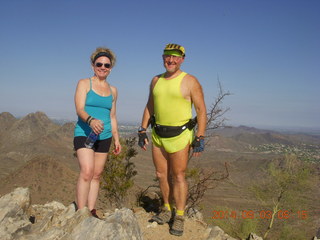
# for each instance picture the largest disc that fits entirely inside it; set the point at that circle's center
(200, 180)
(288, 232)
(283, 181)
(248, 226)
(119, 172)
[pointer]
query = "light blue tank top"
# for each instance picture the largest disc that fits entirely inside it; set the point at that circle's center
(98, 107)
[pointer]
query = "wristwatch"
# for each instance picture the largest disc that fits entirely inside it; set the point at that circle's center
(141, 129)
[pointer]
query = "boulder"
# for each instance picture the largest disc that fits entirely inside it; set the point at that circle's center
(20, 221)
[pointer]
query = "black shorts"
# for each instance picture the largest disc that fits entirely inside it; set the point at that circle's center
(101, 146)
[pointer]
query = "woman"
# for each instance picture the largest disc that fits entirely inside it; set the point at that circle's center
(95, 102)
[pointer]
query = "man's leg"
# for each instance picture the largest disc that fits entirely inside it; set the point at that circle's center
(160, 160)
(178, 162)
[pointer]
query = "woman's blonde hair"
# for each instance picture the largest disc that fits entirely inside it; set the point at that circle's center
(102, 51)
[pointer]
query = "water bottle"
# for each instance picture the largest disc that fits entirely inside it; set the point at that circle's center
(91, 139)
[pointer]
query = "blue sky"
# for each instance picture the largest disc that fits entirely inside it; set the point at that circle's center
(266, 53)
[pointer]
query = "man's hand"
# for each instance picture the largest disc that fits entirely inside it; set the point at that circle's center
(143, 139)
(198, 146)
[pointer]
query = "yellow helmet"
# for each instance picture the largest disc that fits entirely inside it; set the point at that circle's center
(173, 46)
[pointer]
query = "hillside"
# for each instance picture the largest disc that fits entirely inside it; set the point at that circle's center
(48, 180)
(37, 153)
(35, 134)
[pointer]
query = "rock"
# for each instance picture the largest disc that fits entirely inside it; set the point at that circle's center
(121, 225)
(54, 221)
(13, 220)
(150, 201)
(318, 234)
(206, 233)
(217, 233)
(152, 225)
(253, 236)
(195, 214)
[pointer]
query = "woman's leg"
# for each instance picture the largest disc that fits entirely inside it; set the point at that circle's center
(86, 164)
(99, 162)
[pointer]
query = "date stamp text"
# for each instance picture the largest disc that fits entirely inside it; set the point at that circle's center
(263, 214)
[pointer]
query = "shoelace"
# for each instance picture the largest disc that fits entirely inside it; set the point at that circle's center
(178, 223)
(165, 215)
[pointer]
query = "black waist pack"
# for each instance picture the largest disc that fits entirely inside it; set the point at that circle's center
(173, 131)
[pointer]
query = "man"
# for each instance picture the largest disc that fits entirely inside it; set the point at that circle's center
(169, 109)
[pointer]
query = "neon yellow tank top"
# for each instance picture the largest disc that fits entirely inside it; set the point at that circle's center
(170, 107)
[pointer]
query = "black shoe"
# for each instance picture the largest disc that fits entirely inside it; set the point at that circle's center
(75, 206)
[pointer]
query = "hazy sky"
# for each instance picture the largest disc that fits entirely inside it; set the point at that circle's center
(266, 53)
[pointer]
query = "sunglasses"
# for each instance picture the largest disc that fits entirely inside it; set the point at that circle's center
(106, 65)
(167, 57)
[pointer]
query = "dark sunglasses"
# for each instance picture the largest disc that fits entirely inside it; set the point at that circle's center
(106, 65)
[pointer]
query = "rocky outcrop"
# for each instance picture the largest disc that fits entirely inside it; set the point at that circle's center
(13, 220)
(20, 221)
(53, 221)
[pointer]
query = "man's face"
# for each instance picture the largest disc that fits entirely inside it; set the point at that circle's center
(172, 63)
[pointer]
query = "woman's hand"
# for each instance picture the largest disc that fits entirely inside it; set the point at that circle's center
(117, 148)
(97, 126)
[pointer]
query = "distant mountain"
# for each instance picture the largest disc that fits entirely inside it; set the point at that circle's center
(6, 120)
(35, 134)
(63, 132)
(26, 129)
(47, 178)
(233, 131)
(33, 129)
(252, 136)
(262, 138)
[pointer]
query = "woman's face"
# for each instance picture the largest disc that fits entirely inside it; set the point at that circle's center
(102, 67)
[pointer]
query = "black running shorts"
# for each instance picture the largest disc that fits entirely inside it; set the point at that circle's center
(101, 146)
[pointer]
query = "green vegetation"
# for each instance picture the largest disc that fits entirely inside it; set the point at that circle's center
(119, 172)
(280, 189)
(284, 210)
(234, 223)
